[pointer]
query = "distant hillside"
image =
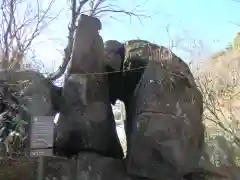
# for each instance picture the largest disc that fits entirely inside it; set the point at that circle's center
(219, 80)
(224, 68)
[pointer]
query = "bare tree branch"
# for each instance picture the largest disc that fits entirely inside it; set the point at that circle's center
(213, 110)
(96, 7)
(19, 33)
(237, 24)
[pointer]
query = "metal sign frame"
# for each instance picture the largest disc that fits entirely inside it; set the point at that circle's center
(41, 136)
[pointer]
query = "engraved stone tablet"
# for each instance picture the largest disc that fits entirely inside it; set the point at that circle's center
(41, 136)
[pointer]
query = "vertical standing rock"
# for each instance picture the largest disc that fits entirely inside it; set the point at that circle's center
(166, 109)
(86, 122)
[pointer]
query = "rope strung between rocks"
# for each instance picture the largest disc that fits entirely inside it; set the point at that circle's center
(5, 84)
(112, 72)
(120, 71)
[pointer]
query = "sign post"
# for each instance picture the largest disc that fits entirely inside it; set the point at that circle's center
(41, 140)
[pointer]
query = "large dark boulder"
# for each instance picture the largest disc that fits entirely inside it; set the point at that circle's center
(86, 122)
(166, 116)
(34, 91)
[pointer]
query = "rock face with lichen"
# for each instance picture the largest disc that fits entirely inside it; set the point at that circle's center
(166, 112)
(86, 123)
(165, 133)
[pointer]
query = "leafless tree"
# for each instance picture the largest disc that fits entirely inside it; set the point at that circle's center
(220, 113)
(218, 80)
(22, 21)
(95, 8)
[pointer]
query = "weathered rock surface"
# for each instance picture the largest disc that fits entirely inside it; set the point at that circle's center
(38, 94)
(94, 167)
(168, 132)
(25, 168)
(86, 123)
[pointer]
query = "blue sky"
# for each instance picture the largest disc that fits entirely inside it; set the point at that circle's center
(203, 21)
